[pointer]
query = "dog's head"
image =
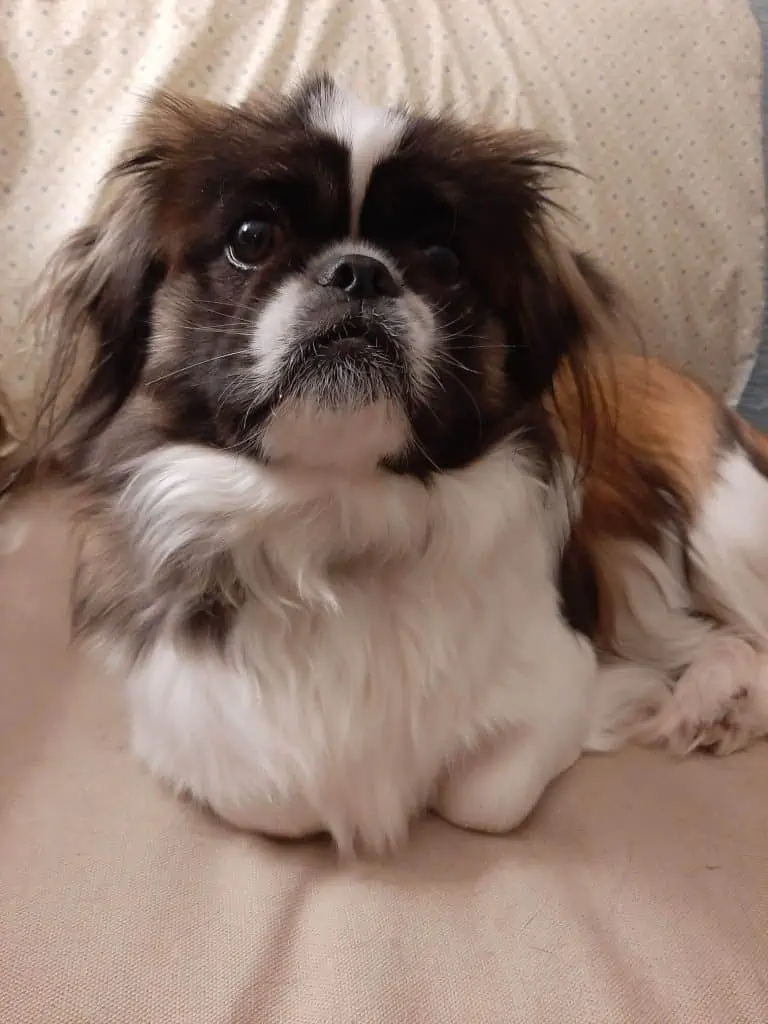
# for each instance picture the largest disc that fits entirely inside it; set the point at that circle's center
(319, 282)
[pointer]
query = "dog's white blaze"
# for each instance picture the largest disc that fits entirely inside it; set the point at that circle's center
(370, 134)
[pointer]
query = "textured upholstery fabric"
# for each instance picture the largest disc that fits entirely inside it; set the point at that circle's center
(636, 894)
(753, 402)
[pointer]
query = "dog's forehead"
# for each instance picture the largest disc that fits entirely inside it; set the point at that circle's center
(369, 133)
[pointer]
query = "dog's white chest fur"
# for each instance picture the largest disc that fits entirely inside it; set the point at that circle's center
(389, 632)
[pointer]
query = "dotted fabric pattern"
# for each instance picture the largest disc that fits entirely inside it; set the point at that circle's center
(658, 103)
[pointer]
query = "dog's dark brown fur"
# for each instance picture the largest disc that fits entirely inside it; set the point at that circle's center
(145, 279)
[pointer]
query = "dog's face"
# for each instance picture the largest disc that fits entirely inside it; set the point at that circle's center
(318, 282)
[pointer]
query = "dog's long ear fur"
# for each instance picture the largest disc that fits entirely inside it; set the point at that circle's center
(93, 307)
(91, 311)
(560, 309)
(90, 319)
(560, 305)
(555, 303)
(571, 318)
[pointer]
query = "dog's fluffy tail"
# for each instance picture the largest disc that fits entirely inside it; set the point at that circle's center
(626, 697)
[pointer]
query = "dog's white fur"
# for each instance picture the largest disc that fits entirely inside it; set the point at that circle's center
(400, 646)
(370, 134)
(719, 700)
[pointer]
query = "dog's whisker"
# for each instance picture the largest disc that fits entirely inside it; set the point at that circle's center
(233, 331)
(179, 371)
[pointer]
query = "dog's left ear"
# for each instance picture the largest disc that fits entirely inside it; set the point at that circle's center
(560, 304)
(552, 300)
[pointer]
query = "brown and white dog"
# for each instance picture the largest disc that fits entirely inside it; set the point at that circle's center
(373, 524)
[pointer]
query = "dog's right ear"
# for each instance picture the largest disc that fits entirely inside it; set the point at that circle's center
(90, 321)
(90, 318)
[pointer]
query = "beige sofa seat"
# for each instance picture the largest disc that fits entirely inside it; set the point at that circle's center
(637, 893)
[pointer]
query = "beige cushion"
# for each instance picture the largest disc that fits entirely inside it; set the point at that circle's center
(637, 894)
(658, 102)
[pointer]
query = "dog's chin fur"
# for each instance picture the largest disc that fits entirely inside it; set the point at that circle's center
(347, 439)
(361, 557)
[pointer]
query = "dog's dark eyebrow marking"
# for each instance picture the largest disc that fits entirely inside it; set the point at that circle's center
(137, 162)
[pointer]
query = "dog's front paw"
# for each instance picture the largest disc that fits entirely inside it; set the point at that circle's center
(720, 703)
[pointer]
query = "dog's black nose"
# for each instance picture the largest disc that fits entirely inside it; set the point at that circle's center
(361, 277)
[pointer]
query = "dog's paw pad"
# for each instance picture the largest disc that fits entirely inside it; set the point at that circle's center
(718, 705)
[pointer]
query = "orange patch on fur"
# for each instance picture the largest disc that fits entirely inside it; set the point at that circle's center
(652, 437)
(649, 439)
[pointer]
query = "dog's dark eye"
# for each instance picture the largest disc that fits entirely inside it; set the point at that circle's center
(250, 244)
(444, 262)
